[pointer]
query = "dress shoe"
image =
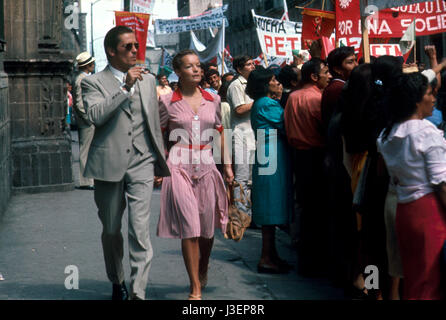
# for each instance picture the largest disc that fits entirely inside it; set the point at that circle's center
(120, 292)
(86, 188)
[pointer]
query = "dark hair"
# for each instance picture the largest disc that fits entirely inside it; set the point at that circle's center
(207, 66)
(408, 90)
(258, 83)
(222, 92)
(111, 39)
(311, 67)
(160, 75)
(288, 74)
(387, 69)
(177, 59)
(354, 101)
(239, 62)
(223, 78)
(173, 84)
(336, 57)
(210, 73)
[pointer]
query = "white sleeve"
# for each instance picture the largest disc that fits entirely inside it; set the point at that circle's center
(429, 74)
(434, 152)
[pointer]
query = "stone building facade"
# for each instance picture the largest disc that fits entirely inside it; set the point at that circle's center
(5, 129)
(37, 65)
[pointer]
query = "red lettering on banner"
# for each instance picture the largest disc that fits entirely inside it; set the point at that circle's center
(294, 42)
(279, 44)
(268, 43)
(430, 18)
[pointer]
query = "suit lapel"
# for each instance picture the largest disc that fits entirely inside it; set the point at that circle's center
(111, 84)
(144, 94)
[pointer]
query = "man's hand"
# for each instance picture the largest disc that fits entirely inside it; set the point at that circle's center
(134, 73)
(430, 51)
(158, 181)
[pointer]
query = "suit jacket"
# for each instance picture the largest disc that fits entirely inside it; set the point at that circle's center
(107, 110)
(78, 105)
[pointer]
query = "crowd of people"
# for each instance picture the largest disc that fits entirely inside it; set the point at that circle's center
(346, 171)
(358, 173)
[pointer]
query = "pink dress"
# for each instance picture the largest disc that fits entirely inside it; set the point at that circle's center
(193, 198)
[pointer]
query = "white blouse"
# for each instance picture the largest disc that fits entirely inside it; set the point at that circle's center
(415, 156)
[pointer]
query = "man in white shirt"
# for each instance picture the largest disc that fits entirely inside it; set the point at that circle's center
(243, 135)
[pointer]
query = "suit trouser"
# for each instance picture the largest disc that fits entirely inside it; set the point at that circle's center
(110, 198)
(85, 138)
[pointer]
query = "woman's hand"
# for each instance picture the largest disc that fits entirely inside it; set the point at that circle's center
(228, 174)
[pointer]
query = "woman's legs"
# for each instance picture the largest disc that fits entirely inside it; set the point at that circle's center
(205, 252)
(394, 292)
(191, 255)
(268, 246)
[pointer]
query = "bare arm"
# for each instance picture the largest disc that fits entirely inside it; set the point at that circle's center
(440, 191)
(244, 108)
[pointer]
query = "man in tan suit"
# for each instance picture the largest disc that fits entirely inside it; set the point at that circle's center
(126, 156)
(85, 64)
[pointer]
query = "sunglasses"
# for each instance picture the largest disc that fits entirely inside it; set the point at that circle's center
(129, 46)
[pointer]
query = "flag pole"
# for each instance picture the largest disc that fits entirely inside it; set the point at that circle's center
(223, 46)
(415, 42)
(365, 36)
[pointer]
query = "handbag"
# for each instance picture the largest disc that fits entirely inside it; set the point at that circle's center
(238, 220)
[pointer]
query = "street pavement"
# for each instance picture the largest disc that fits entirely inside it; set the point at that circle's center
(43, 234)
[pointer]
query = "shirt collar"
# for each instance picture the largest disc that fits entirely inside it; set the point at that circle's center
(118, 74)
(177, 96)
(312, 86)
(242, 79)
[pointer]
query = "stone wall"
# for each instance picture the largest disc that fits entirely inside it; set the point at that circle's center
(5, 141)
(37, 67)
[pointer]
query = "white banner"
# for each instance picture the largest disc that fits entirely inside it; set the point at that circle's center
(143, 6)
(277, 37)
(209, 19)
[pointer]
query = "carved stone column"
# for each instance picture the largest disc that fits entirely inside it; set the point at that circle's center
(37, 69)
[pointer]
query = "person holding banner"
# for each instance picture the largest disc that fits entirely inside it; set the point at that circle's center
(193, 198)
(125, 157)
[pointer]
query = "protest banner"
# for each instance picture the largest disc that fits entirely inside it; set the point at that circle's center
(315, 25)
(277, 37)
(430, 18)
(383, 4)
(142, 6)
(139, 23)
(378, 50)
(209, 19)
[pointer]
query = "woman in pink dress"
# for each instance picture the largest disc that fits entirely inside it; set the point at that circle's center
(193, 198)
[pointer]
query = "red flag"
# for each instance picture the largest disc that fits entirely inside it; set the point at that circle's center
(315, 25)
(327, 47)
(139, 23)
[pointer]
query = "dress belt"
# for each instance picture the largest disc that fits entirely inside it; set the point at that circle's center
(194, 146)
